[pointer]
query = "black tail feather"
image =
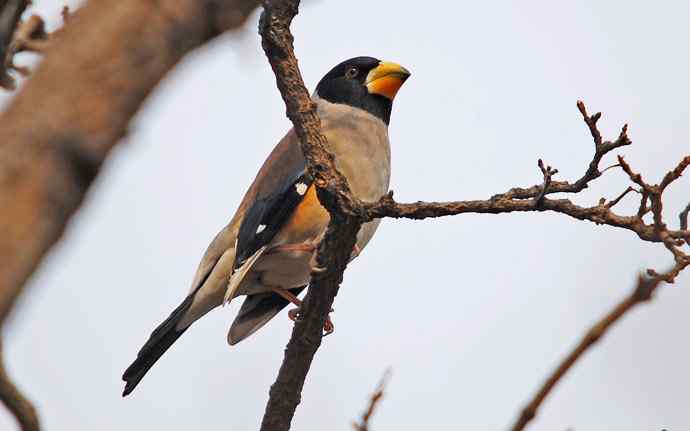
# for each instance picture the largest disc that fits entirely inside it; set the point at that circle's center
(160, 341)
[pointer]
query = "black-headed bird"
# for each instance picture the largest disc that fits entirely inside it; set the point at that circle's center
(267, 251)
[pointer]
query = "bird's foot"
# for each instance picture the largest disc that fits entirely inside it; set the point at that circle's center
(328, 326)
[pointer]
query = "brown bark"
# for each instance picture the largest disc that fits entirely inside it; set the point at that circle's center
(334, 194)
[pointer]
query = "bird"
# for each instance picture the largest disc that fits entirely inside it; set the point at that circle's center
(267, 251)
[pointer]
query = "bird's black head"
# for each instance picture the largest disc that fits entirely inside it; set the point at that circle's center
(365, 83)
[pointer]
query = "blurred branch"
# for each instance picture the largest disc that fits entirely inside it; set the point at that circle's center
(642, 293)
(363, 424)
(334, 194)
(21, 408)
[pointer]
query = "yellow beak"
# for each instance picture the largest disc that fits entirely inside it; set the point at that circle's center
(386, 79)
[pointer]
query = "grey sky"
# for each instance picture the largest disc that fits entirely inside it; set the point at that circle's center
(471, 312)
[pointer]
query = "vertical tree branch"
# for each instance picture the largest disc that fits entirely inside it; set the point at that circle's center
(333, 192)
(12, 398)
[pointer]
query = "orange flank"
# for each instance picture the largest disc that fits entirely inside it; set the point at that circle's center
(308, 220)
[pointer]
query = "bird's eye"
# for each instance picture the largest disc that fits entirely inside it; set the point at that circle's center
(351, 73)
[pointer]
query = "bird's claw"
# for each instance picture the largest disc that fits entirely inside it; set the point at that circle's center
(328, 326)
(294, 314)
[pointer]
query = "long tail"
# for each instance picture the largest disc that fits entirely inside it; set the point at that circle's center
(160, 341)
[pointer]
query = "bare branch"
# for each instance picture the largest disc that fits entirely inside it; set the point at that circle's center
(363, 424)
(675, 173)
(334, 194)
(634, 177)
(12, 398)
(683, 217)
(534, 199)
(620, 197)
(642, 292)
(548, 173)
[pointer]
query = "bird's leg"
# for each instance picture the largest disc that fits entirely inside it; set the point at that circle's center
(293, 314)
(287, 295)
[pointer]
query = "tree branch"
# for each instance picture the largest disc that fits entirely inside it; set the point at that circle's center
(642, 293)
(334, 194)
(534, 199)
(12, 398)
(347, 213)
(363, 424)
(60, 128)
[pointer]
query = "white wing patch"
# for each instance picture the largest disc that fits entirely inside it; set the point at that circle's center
(261, 228)
(301, 188)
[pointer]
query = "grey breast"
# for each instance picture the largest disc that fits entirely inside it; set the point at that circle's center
(362, 152)
(360, 144)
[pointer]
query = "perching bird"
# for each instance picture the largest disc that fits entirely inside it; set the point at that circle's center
(266, 251)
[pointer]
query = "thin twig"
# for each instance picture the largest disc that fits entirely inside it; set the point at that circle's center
(548, 172)
(683, 217)
(613, 166)
(620, 197)
(363, 424)
(642, 292)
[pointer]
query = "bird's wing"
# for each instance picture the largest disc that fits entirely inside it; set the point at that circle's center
(269, 212)
(278, 189)
(282, 167)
